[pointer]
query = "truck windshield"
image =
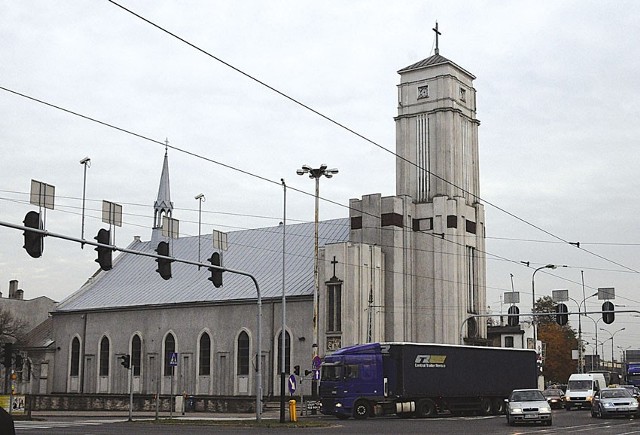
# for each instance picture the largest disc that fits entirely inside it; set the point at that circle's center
(331, 372)
(579, 385)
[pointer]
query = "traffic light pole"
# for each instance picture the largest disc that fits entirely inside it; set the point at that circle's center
(130, 392)
(258, 387)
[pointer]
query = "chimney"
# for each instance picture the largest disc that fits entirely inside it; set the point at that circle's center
(13, 288)
(20, 294)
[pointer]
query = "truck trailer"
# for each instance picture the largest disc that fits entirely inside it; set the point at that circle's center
(422, 380)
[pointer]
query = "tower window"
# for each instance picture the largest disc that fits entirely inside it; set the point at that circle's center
(463, 94)
(423, 92)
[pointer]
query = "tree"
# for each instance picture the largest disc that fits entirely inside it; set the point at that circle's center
(12, 329)
(558, 343)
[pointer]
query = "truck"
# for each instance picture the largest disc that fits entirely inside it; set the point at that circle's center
(422, 379)
(632, 367)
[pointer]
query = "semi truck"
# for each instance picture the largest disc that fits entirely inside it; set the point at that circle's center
(422, 380)
(632, 367)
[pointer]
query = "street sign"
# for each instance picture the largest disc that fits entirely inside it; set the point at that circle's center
(292, 384)
(316, 375)
(316, 362)
(173, 360)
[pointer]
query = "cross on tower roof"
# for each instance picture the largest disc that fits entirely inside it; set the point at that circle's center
(435, 29)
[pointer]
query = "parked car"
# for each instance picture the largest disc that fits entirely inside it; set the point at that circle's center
(555, 397)
(528, 406)
(614, 401)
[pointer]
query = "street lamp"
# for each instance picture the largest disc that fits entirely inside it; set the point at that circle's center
(316, 174)
(533, 298)
(86, 162)
(611, 338)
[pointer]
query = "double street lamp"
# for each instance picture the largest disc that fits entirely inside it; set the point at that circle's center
(533, 298)
(611, 338)
(316, 174)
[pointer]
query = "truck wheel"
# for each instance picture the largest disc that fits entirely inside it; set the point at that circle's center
(426, 408)
(498, 407)
(485, 406)
(361, 410)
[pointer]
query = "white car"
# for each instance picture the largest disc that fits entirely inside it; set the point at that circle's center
(528, 406)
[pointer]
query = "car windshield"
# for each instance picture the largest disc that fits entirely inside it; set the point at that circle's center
(585, 384)
(611, 394)
(527, 396)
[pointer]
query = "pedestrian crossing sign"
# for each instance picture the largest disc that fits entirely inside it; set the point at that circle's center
(173, 361)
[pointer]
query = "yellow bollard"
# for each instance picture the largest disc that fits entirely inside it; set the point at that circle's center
(292, 411)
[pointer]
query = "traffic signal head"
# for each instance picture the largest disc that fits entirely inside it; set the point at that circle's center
(33, 242)
(513, 319)
(7, 352)
(216, 274)
(104, 253)
(18, 362)
(608, 314)
(561, 314)
(164, 265)
(125, 360)
(296, 370)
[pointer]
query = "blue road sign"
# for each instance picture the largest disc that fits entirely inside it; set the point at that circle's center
(292, 384)
(173, 361)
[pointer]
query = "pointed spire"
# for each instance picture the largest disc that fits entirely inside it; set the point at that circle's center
(163, 205)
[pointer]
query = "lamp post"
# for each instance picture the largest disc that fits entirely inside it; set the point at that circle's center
(316, 174)
(533, 298)
(86, 162)
(611, 338)
(200, 197)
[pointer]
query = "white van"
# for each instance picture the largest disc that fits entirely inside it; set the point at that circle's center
(581, 388)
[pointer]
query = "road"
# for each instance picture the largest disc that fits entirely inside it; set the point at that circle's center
(563, 422)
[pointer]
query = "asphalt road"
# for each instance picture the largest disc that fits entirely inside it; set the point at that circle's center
(563, 422)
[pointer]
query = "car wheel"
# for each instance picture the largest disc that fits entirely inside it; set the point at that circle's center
(600, 413)
(361, 410)
(549, 422)
(593, 413)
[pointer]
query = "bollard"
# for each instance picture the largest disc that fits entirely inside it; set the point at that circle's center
(292, 411)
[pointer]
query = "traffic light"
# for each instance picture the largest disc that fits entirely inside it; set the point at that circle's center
(125, 360)
(561, 317)
(104, 253)
(308, 372)
(608, 314)
(19, 362)
(164, 265)
(296, 370)
(513, 319)
(216, 274)
(33, 242)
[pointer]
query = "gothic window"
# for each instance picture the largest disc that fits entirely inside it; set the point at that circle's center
(334, 307)
(169, 348)
(243, 353)
(205, 355)
(472, 285)
(74, 369)
(287, 353)
(136, 354)
(104, 356)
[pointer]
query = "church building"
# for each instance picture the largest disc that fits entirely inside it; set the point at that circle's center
(409, 267)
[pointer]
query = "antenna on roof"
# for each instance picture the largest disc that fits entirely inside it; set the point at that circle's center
(435, 29)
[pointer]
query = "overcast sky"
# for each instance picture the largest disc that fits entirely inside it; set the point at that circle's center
(557, 97)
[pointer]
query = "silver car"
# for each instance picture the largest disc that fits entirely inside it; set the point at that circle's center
(614, 401)
(528, 406)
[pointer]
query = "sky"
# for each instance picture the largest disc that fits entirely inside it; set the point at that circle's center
(557, 97)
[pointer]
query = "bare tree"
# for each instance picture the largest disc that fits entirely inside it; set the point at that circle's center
(12, 329)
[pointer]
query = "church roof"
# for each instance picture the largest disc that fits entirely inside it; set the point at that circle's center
(134, 282)
(436, 59)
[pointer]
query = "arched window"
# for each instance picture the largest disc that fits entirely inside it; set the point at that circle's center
(287, 353)
(74, 368)
(104, 356)
(205, 355)
(243, 353)
(136, 354)
(169, 348)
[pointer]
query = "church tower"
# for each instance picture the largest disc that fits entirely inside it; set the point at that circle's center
(432, 231)
(162, 207)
